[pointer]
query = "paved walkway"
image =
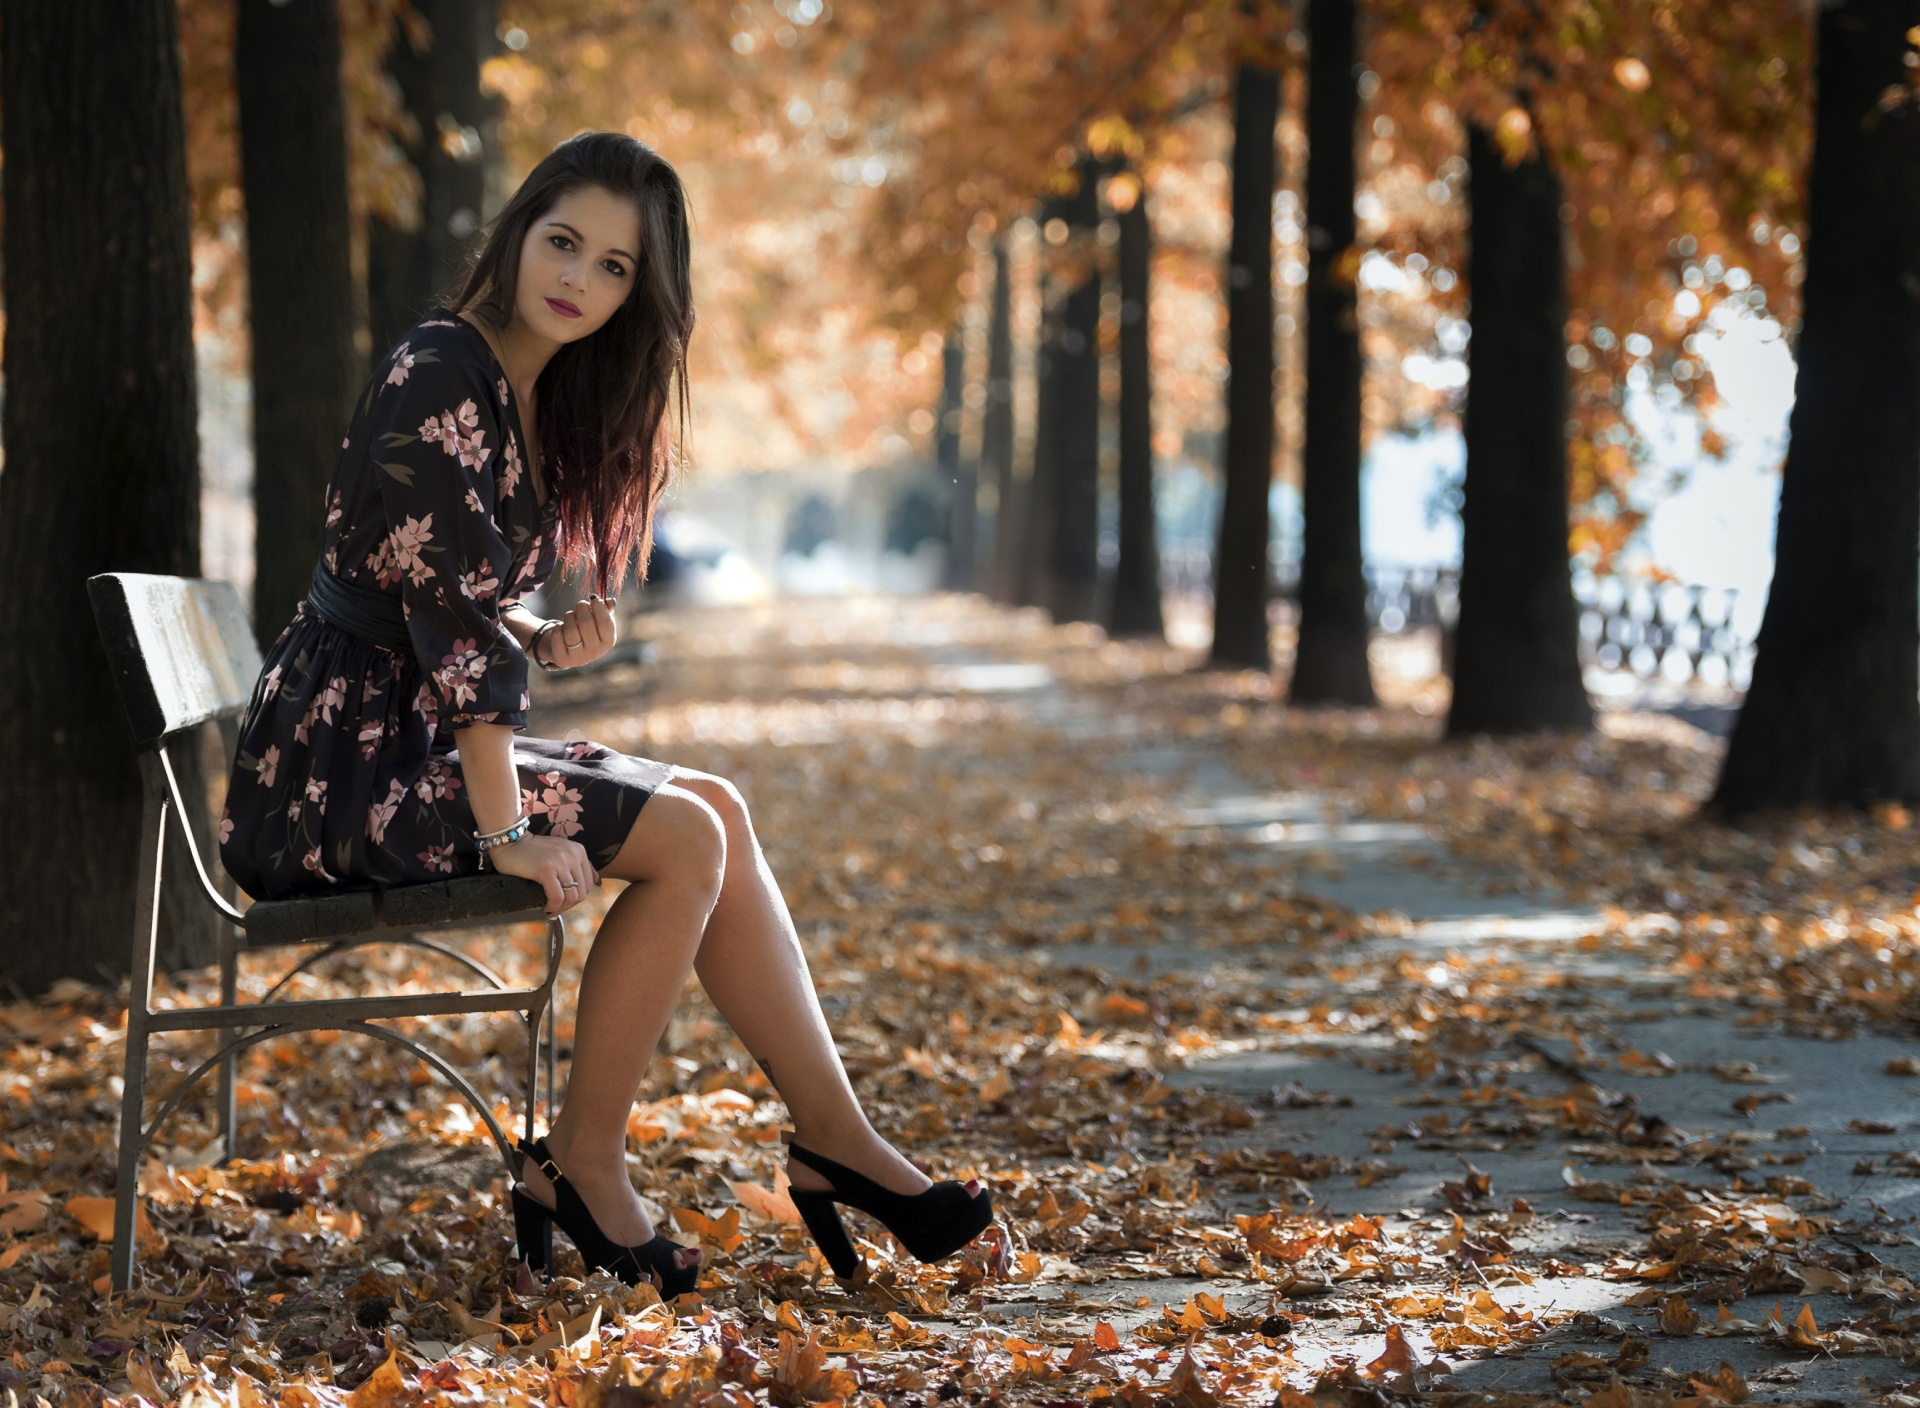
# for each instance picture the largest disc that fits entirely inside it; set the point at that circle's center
(1814, 1097)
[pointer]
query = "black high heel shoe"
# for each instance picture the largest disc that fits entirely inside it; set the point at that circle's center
(931, 1225)
(533, 1224)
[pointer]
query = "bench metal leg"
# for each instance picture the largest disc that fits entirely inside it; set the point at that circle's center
(229, 997)
(126, 1188)
(537, 1017)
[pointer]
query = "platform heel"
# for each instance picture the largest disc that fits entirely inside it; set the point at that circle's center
(932, 1224)
(533, 1231)
(829, 1232)
(656, 1261)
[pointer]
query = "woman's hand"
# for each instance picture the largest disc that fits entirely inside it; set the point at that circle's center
(561, 867)
(585, 633)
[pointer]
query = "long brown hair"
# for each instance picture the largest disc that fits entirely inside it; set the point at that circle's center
(606, 401)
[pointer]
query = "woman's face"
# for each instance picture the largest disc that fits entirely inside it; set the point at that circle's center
(577, 263)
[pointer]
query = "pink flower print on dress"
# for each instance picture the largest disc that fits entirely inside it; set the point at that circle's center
(502, 384)
(480, 583)
(370, 733)
(510, 467)
(457, 670)
(426, 706)
(303, 731)
(334, 510)
(313, 862)
(402, 364)
(437, 782)
(270, 683)
(556, 801)
(580, 750)
(226, 826)
(380, 813)
(408, 540)
(458, 433)
(473, 503)
(438, 858)
(334, 696)
(269, 766)
(317, 794)
(528, 564)
(294, 808)
(382, 563)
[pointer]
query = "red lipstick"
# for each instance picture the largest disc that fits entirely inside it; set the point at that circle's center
(563, 308)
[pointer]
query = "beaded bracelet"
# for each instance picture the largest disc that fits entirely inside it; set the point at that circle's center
(485, 841)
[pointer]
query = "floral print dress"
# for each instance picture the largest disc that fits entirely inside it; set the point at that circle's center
(347, 774)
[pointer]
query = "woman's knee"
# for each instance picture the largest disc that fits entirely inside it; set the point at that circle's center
(724, 798)
(679, 837)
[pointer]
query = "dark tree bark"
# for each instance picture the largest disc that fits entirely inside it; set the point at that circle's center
(407, 269)
(1071, 575)
(293, 163)
(1240, 565)
(961, 477)
(102, 468)
(1136, 576)
(1330, 661)
(996, 432)
(1034, 527)
(1516, 657)
(1831, 715)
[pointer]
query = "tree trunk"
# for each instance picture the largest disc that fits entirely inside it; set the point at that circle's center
(407, 269)
(293, 163)
(1071, 579)
(102, 468)
(1831, 715)
(1034, 527)
(1516, 661)
(961, 477)
(996, 431)
(1240, 566)
(1330, 661)
(1136, 576)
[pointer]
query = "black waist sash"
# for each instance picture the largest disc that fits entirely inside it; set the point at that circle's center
(374, 616)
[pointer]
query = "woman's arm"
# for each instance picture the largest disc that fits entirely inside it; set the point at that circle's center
(586, 632)
(493, 789)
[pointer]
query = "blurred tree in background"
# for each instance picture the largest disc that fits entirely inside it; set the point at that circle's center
(102, 468)
(306, 367)
(1832, 714)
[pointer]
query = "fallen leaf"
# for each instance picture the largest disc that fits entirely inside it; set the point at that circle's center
(1677, 1317)
(765, 1201)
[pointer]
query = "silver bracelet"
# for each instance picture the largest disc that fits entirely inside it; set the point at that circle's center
(540, 633)
(485, 841)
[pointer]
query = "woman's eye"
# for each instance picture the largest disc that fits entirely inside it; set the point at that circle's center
(615, 269)
(561, 242)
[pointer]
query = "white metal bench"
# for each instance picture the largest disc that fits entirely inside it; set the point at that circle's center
(182, 655)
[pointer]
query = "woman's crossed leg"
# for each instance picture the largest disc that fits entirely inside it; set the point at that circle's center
(701, 896)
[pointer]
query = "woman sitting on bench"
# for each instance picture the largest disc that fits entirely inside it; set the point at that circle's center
(529, 420)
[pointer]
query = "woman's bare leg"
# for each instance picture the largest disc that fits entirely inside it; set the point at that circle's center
(701, 895)
(753, 969)
(674, 859)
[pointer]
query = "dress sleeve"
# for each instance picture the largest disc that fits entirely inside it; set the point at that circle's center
(434, 440)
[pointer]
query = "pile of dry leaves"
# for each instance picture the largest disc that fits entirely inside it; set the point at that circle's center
(938, 842)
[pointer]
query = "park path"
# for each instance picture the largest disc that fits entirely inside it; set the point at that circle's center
(1826, 1111)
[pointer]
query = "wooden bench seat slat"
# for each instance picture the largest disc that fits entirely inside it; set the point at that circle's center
(470, 899)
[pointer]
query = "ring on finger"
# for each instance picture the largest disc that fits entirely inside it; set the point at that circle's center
(571, 644)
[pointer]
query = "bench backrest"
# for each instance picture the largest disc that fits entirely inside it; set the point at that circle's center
(180, 650)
